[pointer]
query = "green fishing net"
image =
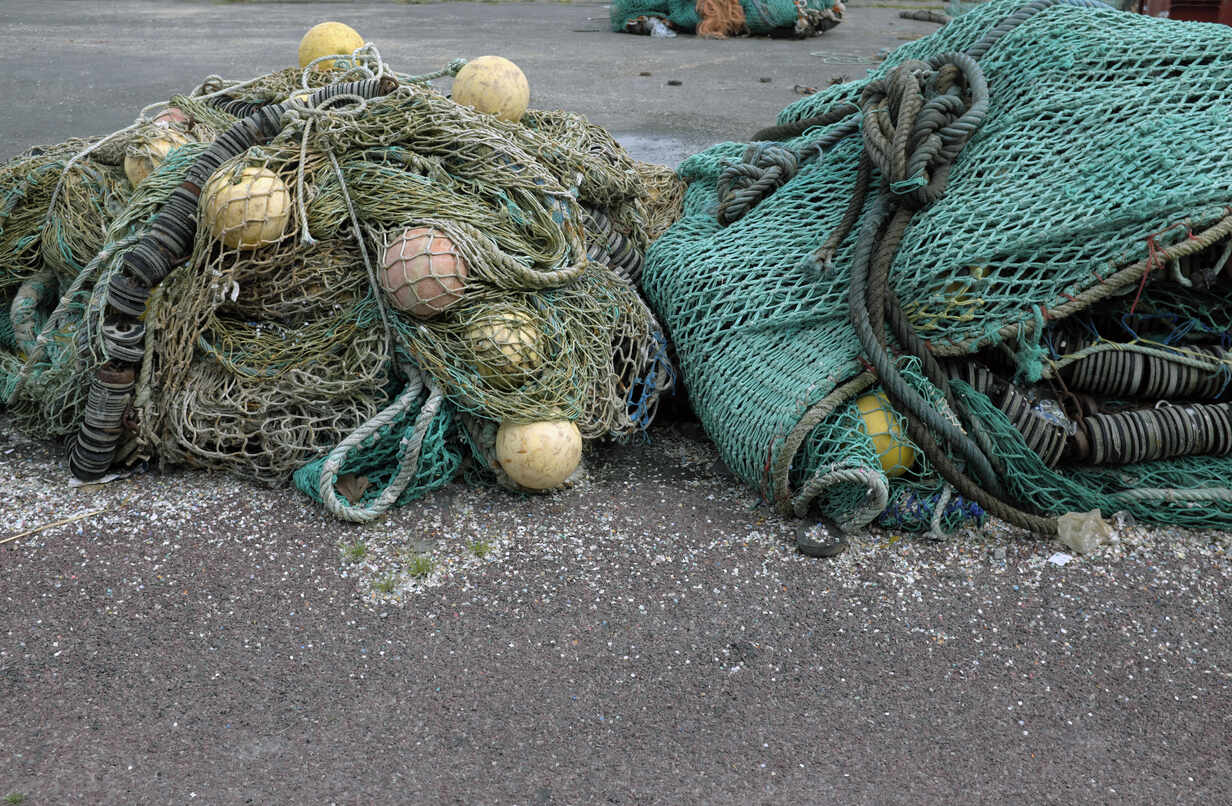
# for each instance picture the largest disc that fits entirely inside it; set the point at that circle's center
(1106, 141)
(793, 17)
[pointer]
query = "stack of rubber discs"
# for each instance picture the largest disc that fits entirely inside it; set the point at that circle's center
(611, 248)
(1127, 373)
(1046, 437)
(1162, 432)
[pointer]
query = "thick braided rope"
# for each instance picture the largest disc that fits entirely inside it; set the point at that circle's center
(896, 387)
(913, 151)
(874, 481)
(23, 310)
(1165, 495)
(767, 166)
(914, 181)
(943, 500)
(780, 470)
(1200, 361)
(408, 460)
(1132, 273)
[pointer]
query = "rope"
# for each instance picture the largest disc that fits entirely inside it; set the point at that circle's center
(300, 110)
(451, 69)
(872, 338)
(408, 461)
(916, 121)
(934, 525)
(1178, 355)
(1200, 494)
(373, 283)
(787, 131)
(875, 500)
(1129, 275)
(23, 310)
(767, 166)
(780, 469)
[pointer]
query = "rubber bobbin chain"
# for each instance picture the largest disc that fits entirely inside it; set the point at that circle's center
(127, 295)
(94, 446)
(1047, 439)
(1129, 373)
(610, 247)
(1164, 432)
(125, 341)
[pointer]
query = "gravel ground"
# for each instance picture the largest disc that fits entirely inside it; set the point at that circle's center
(649, 636)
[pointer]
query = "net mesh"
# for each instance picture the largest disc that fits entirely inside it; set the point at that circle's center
(1105, 142)
(760, 17)
(396, 243)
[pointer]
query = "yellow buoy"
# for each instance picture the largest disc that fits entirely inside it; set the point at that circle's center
(493, 85)
(539, 456)
(881, 422)
(142, 157)
(328, 39)
(505, 345)
(247, 210)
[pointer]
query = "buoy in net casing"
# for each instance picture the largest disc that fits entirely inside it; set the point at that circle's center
(169, 116)
(328, 39)
(505, 346)
(248, 210)
(539, 456)
(893, 450)
(143, 156)
(493, 85)
(422, 272)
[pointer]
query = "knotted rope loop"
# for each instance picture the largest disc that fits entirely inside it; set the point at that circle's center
(916, 121)
(764, 169)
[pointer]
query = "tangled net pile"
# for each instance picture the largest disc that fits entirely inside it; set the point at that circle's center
(1016, 231)
(723, 18)
(273, 351)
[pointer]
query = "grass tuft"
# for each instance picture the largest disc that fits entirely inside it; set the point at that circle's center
(420, 566)
(355, 552)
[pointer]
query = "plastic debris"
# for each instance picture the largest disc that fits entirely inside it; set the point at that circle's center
(1083, 531)
(659, 29)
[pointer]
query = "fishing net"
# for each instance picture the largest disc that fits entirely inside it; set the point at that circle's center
(1089, 212)
(720, 18)
(376, 261)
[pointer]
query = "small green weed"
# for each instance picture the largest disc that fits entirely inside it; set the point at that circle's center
(14, 797)
(354, 552)
(385, 584)
(420, 566)
(481, 548)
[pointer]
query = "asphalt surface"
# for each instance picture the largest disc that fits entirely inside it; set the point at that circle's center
(648, 636)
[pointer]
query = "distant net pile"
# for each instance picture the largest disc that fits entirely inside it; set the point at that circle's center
(338, 275)
(993, 276)
(723, 18)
